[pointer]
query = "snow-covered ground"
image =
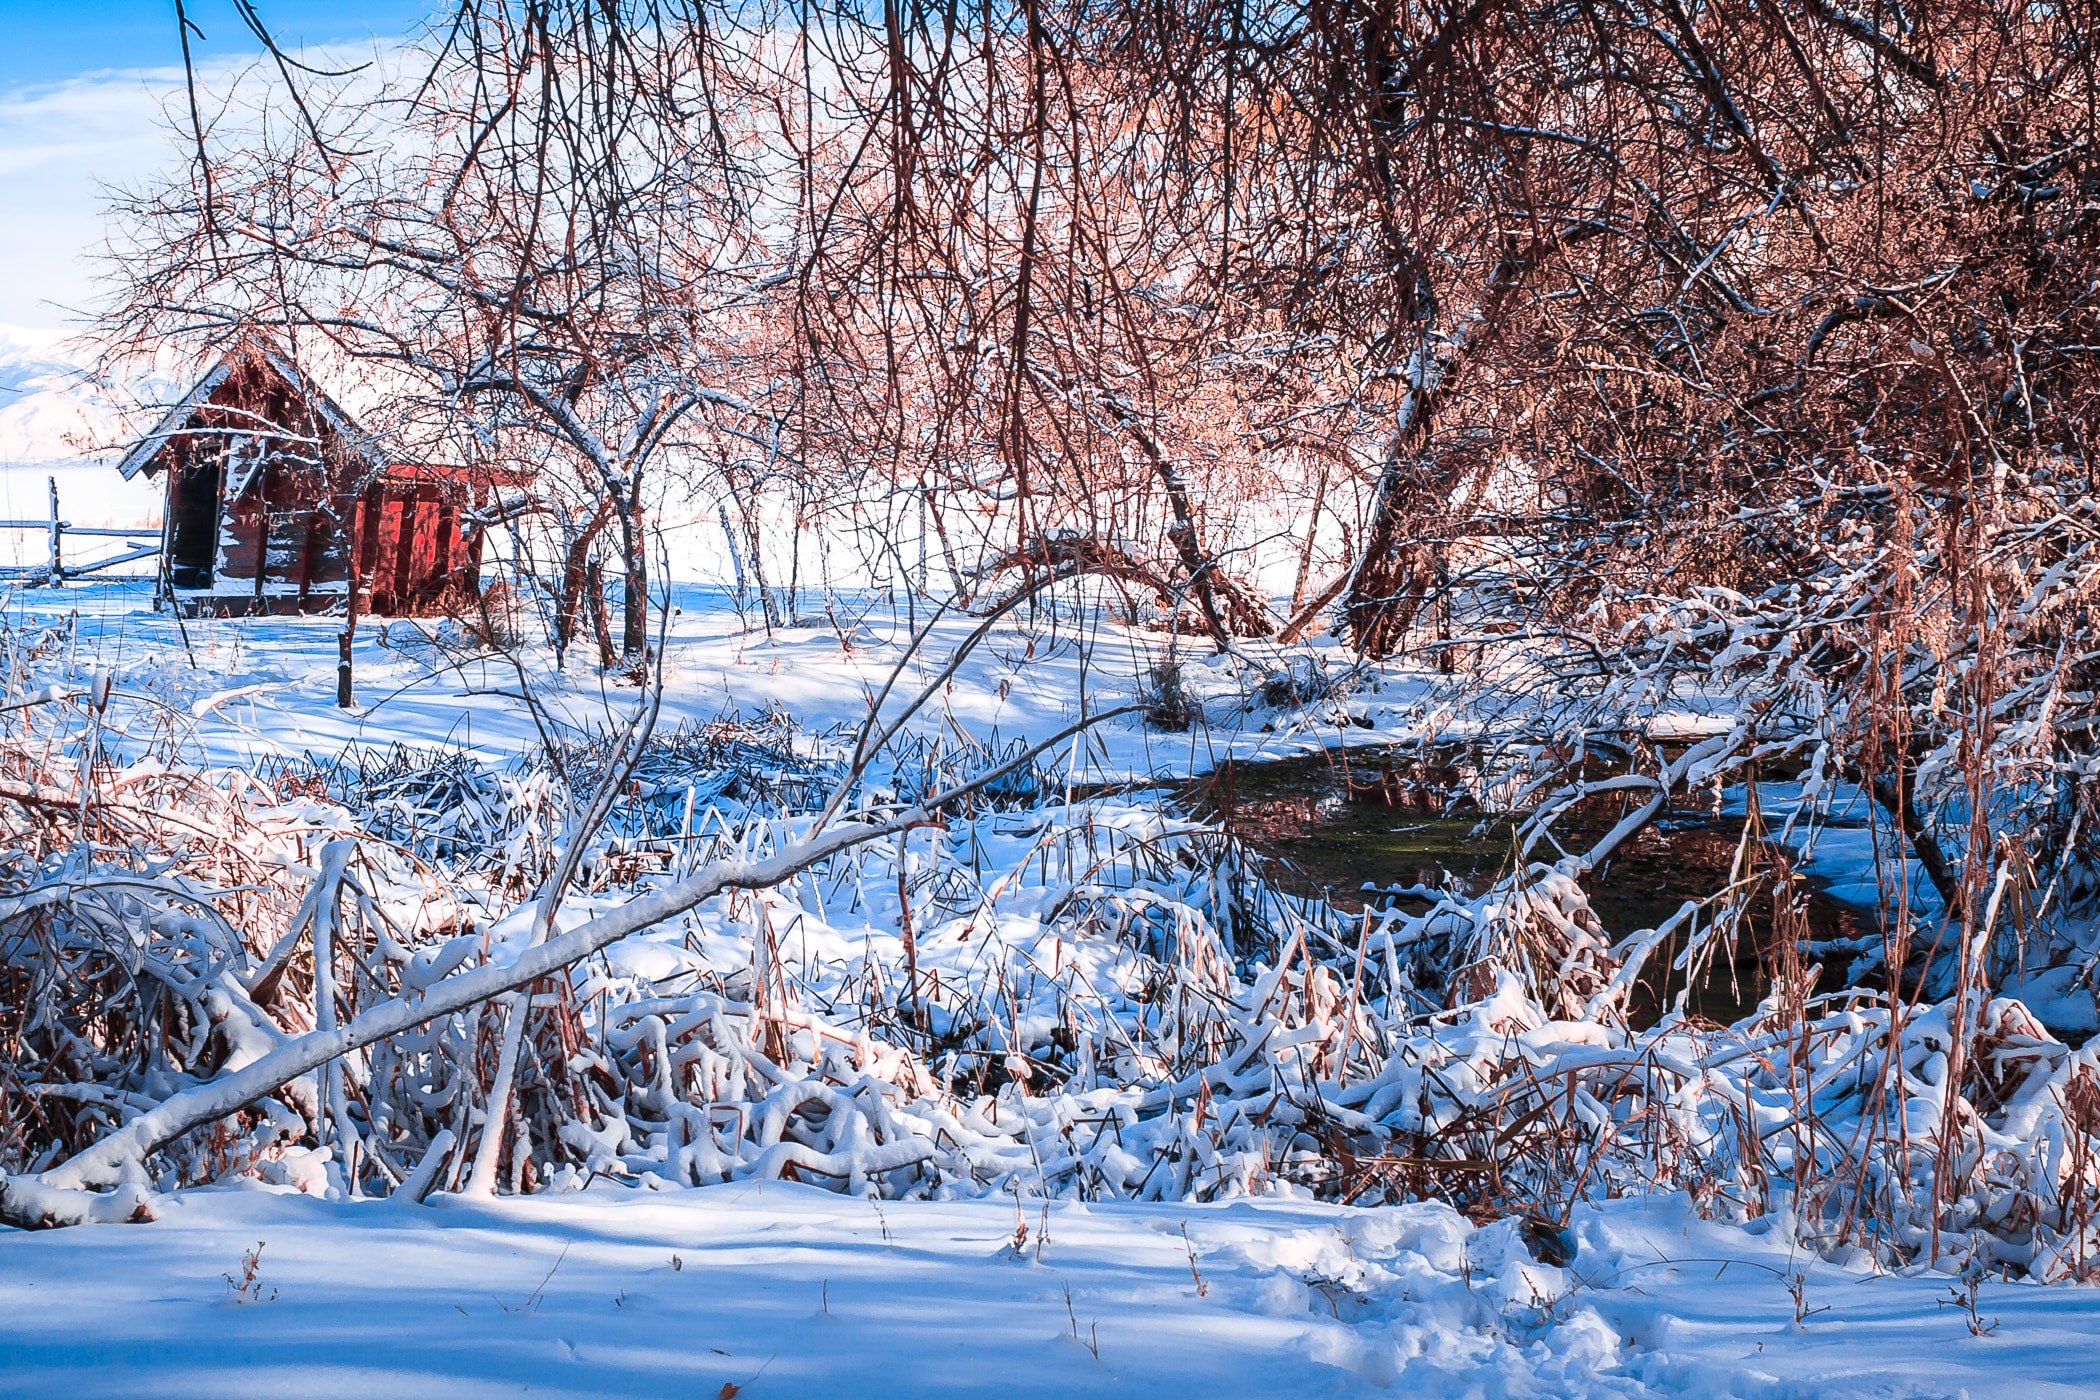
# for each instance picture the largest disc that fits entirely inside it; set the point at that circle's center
(268, 685)
(760, 1288)
(253, 687)
(777, 1289)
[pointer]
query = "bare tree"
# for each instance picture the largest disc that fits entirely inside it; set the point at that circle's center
(517, 234)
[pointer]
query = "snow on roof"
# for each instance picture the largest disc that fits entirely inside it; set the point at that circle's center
(175, 422)
(141, 456)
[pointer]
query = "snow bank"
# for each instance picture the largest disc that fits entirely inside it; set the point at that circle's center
(781, 1290)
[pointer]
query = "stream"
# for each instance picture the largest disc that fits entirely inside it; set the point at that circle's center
(1333, 823)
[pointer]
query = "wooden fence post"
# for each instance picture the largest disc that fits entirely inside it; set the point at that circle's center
(57, 576)
(343, 697)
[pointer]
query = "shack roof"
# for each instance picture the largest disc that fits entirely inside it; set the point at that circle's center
(145, 455)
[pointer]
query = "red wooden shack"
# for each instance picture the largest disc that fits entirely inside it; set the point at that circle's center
(273, 492)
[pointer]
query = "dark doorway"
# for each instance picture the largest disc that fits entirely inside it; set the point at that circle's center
(193, 529)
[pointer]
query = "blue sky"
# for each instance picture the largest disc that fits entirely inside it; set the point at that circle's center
(83, 88)
(50, 41)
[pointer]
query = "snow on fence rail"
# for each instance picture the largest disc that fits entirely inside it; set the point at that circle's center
(54, 571)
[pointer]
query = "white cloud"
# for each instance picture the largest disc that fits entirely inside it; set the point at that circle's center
(59, 147)
(62, 146)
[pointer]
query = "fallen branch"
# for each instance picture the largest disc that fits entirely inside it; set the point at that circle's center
(118, 1157)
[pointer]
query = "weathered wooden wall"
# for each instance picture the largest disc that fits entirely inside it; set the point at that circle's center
(413, 551)
(284, 530)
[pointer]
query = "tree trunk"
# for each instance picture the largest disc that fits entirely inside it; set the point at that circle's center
(1227, 609)
(576, 569)
(746, 499)
(1894, 793)
(634, 611)
(601, 622)
(1385, 587)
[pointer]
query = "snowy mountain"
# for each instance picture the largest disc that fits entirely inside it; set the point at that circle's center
(49, 414)
(55, 424)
